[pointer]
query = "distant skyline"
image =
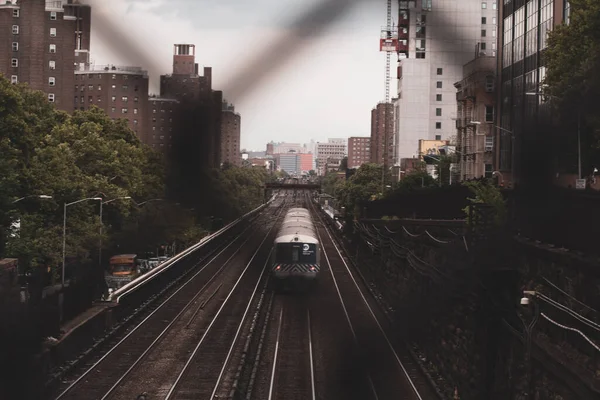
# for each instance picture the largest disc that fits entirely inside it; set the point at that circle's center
(327, 91)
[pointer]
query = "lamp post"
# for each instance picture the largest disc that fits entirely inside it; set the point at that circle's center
(64, 244)
(40, 196)
(102, 225)
(147, 201)
(527, 301)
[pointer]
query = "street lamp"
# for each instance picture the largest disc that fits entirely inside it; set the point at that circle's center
(64, 244)
(147, 201)
(528, 300)
(578, 130)
(102, 225)
(39, 196)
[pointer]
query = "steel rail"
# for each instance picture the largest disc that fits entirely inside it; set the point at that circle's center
(388, 342)
(139, 325)
(179, 378)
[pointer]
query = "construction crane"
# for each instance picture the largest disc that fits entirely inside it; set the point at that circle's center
(388, 43)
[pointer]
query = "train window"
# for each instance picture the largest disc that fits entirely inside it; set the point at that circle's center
(295, 257)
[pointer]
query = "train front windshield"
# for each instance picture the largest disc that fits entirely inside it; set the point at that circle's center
(296, 253)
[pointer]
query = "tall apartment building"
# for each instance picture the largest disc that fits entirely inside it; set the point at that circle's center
(200, 107)
(120, 91)
(160, 119)
(382, 134)
(359, 151)
(230, 135)
(436, 38)
(331, 152)
(476, 118)
(43, 41)
(524, 36)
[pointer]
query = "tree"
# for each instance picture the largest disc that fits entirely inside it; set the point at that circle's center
(413, 181)
(572, 81)
(364, 185)
(344, 164)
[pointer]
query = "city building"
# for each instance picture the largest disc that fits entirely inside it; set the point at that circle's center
(359, 151)
(435, 40)
(524, 28)
(382, 134)
(270, 149)
(294, 163)
(122, 92)
(475, 118)
(430, 147)
(230, 135)
(199, 111)
(281, 148)
(42, 42)
(330, 153)
(160, 120)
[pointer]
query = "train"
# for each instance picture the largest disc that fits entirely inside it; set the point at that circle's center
(296, 250)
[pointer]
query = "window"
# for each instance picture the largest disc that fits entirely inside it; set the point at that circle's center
(124, 99)
(482, 46)
(76, 99)
(99, 99)
(113, 98)
(438, 112)
(15, 29)
(494, 20)
(99, 87)
(52, 15)
(52, 65)
(484, 5)
(440, 71)
(483, 20)
(14, 79)
(90, 99)
(51, 97)
(90, 87)
(52, 32)
(135, 99)
(135, 110)
(52, 48)
(489, 113)
(14, 63)
(438, 125)
(114, 76)
(112, 109)
(16, 13)
(15, 46)
(438, 137)
(438, 97)
(135, 121)
(113, 86)
(154, 111)
(420, 54)
(438, 84)
(483, 33)
(494, 6)
(125, 87)
(123, 111)
(489, 143)
(52, 81)
(82, 99)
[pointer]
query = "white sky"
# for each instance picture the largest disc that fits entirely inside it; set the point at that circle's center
(325, 90)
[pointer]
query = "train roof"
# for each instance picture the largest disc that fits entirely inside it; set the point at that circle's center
(297, 226)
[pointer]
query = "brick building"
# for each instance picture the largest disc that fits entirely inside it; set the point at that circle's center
(359, 151)
(159, 122)
(199, 111)
(382, 132)
(120, 91)
(230, 135)
(41, 42)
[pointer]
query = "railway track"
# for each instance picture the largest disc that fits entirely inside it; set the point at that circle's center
(390, 373)
(106, 375)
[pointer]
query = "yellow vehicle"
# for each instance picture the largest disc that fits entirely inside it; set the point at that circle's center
(123, 268)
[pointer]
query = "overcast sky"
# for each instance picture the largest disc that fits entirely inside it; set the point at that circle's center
(325, 90)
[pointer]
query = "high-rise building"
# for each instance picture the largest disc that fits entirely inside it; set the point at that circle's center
(359, 151)
(160, 119)
(382, 134)
(230, 135)
(199, 111)
(475, 119)
(43, 41)
(120, 91)
(331, 152)
(436, 38)
(524, 28)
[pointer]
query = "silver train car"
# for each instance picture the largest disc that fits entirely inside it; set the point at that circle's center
(296, 249)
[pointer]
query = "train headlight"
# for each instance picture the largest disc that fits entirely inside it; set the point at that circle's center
(277, 268)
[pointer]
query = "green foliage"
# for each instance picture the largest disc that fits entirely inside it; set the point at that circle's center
(364, 185)
(572, 81)
(331, 182)
(414, 181)
(486, 193)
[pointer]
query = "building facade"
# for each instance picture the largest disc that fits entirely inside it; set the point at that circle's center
(436, 38)
(382, 134)
(42, 42)
(160, 120)
(524, 28)
(476, 116)
(231, 123)
(122, 92)
(359, 151)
